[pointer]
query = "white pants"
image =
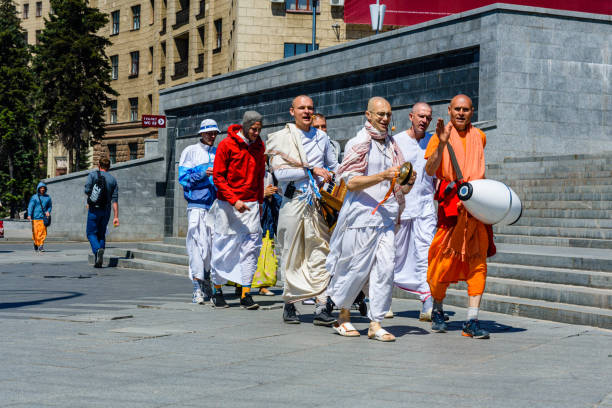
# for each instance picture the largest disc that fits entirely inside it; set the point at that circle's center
(235, 258)
(412, 241)
(366, 258)
(198, 242)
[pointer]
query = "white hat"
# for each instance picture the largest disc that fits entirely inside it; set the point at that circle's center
(208, 125)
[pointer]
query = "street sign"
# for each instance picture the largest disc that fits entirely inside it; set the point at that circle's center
(156, 121)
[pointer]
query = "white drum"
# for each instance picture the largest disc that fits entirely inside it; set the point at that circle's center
(491, 202)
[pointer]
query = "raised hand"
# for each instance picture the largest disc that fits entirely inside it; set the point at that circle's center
(443, 131)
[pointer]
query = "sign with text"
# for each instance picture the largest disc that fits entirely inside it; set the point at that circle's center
(156, 121)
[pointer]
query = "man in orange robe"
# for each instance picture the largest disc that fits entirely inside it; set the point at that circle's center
(458, 251)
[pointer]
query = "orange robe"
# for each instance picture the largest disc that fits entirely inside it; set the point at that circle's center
(459, 253)
(39, 232)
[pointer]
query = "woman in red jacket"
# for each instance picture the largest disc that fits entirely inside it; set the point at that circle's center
(238, 175)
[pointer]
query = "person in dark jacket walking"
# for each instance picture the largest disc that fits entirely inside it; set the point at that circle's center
(102, 194)
(39, 211)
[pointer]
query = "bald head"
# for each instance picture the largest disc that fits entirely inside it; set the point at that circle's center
(460, 111)
(420, 117)
(302, 109)
(379, 113)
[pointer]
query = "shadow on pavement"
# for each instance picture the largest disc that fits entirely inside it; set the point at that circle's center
(11, 305)
(399, 331)
(489, 325)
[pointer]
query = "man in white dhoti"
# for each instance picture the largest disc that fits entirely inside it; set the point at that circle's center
(195, 175)
(239, 177)
(301, 158)
(362, 247)
(418, 220)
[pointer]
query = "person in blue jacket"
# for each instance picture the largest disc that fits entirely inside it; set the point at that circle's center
(39, 210)
(195, 175)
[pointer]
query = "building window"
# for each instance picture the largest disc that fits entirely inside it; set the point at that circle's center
(135, 57)
(300, 5)
(219, 29)
(152, 12)
(150, 97)
(136, 17)
(150, 60)
(133, 109)
(39, 9)
(26, 11)
(115, 18)
(133, 150)
(25, 36)
(292, 49)
(112, 153)
(115, 66)
(38, 32)
(113, 112)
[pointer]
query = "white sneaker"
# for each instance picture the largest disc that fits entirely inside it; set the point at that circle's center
(425, 315)
(198, 297)
(389, 314)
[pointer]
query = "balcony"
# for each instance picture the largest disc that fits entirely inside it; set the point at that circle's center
(202, 11)
(181, 69)
(182, 18)
(200, 67)
(162, 76)
(163, 30)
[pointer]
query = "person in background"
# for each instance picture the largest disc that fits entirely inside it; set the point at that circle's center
(39, 210)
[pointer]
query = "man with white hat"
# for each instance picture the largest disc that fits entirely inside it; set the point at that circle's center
(196, 177)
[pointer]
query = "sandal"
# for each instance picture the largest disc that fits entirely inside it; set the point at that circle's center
(380, 335)
(346, 329)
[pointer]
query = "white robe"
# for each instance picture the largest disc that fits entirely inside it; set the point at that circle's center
(302, 239)
(236, 242)
(362, 247)
(418, 222)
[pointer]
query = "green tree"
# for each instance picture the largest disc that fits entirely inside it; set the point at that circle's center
(19, 170)
(74, 77)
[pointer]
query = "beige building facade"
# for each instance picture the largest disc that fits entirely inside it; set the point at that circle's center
(162, 43)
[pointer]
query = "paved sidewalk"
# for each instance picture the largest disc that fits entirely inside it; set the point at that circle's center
(133, 339)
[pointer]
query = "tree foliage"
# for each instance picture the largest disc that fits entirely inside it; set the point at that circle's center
(19, 153)
(74, 77)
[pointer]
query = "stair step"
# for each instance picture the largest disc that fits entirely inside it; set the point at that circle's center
(590, 259)
(558, 158)
(567, 204)
(163, 248)
(590, 233)
(160, 257)
(573, 213)
(553, 241)
(548, 188)
(564, 222)
(154, 266)
(535, 309)
(562, 276)
(550, 292)
(551, 175)
(567, 167)
(560, 183)
(562, 196)
(180, 241)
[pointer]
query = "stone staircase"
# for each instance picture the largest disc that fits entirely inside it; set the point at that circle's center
(554, 264)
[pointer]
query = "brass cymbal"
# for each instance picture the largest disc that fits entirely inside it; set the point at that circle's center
(405, 173)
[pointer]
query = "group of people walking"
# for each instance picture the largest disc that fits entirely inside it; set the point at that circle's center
(386, 234)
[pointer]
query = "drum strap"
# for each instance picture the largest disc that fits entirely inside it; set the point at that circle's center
(453, 158)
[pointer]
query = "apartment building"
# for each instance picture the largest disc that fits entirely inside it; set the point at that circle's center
(163, 43)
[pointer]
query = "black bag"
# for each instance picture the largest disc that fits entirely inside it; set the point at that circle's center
(46, 219)
(98, 196)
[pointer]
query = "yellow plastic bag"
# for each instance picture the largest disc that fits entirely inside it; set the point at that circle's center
(265, 276)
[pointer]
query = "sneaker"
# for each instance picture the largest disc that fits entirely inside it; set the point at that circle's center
(330, 305)
(438, 323)
(218, 300)
(310, 301)
(41, 248)
(35, 248)
(471, 328)
(198, 297)
(323, 319)
(290, 314)
(206, 289)
(389, 314)
(248, 303)
(99, 258)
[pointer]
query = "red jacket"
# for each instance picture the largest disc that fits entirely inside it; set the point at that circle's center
(239, 169)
